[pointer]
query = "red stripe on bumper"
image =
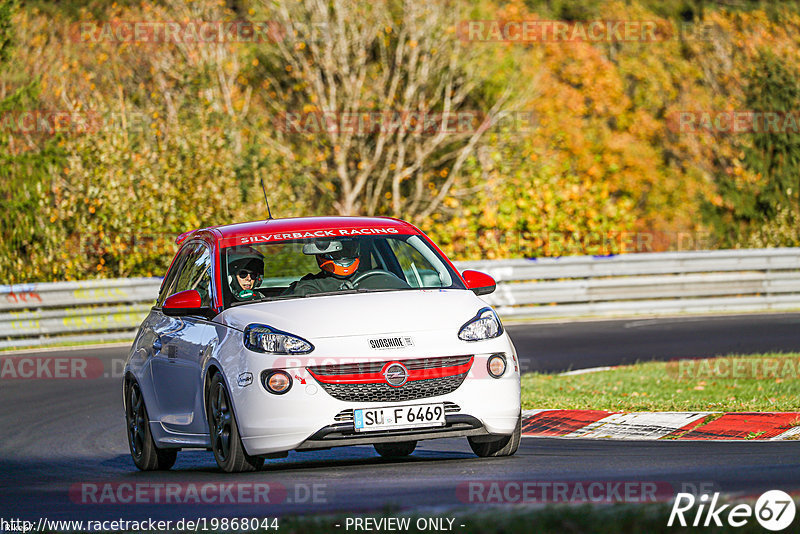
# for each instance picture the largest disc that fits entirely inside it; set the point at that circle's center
(377, 378)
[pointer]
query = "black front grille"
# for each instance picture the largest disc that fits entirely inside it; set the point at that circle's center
(418, 389)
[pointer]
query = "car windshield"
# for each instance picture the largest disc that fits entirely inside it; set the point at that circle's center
(314, 267)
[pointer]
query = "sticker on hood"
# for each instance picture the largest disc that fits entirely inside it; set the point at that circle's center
(391, 342)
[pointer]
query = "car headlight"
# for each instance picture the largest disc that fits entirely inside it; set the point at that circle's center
(485, 325)
(262, 338)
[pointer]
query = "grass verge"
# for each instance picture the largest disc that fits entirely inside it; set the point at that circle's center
(751, 383)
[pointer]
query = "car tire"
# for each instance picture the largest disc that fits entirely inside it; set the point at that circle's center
(395, 450)
(144, 452)
(504, 446)
(224, 432)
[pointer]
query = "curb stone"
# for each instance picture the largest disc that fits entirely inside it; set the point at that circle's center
(601, 424)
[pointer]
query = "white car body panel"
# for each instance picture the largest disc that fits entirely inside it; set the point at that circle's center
(360, 314)
(270, 423)
(175, 355)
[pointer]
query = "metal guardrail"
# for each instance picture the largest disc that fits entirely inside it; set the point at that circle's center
(653, 283)
(628, 284)
(70, 312)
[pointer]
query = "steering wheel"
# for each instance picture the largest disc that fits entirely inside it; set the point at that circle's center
(375, 272)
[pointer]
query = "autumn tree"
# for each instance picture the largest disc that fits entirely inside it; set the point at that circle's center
(26, 164)
(772, 154)
(398, 61)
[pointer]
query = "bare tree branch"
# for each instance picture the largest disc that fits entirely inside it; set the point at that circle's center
(383, 62)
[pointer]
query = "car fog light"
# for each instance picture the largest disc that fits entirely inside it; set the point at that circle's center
(278, 382)
(496, 365)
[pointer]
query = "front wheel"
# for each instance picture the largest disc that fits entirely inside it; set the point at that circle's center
(395, 450)
(504, 446)
(225, 440)
(144, 452)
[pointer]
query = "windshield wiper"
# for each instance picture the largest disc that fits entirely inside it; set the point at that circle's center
(354, 291)
(336, 292)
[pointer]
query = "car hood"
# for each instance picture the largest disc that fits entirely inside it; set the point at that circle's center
(361, 314)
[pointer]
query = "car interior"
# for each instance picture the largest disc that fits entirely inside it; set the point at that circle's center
(393, 264)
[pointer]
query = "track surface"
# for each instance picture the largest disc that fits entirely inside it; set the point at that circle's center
(58, 433)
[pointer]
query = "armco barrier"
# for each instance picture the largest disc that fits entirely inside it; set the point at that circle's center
(653, 283)
(69, 312)
(628, 284)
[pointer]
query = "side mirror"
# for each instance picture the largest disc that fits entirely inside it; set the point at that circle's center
(185, 303)
(480, 283)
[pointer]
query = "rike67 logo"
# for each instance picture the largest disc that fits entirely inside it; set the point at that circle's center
(774, 510)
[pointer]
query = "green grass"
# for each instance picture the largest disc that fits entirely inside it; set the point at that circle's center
(759, 383)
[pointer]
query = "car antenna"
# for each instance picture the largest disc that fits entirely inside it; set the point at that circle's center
(269, 213)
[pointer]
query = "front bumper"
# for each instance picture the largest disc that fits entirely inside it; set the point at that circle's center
(307, 417)
(341, 434)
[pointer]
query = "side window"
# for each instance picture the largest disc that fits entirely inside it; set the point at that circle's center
(196, 274)
(169, 279)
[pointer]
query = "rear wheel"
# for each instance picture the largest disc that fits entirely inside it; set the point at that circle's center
(504, 446)
(144, 452)
(395, 450)
(225, 440)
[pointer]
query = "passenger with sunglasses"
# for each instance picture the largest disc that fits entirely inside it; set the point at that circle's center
(246, 278)
(245, 271)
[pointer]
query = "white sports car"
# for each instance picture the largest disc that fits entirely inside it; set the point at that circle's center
(303, 334)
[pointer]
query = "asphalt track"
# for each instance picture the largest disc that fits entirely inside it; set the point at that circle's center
(553, 347)
(56, 436)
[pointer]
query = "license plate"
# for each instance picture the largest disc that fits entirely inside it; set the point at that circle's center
(418, 415)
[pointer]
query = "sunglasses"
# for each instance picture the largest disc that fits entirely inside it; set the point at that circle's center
(244, 273)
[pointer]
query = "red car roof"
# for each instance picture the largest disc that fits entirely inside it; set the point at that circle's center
(303, 227)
